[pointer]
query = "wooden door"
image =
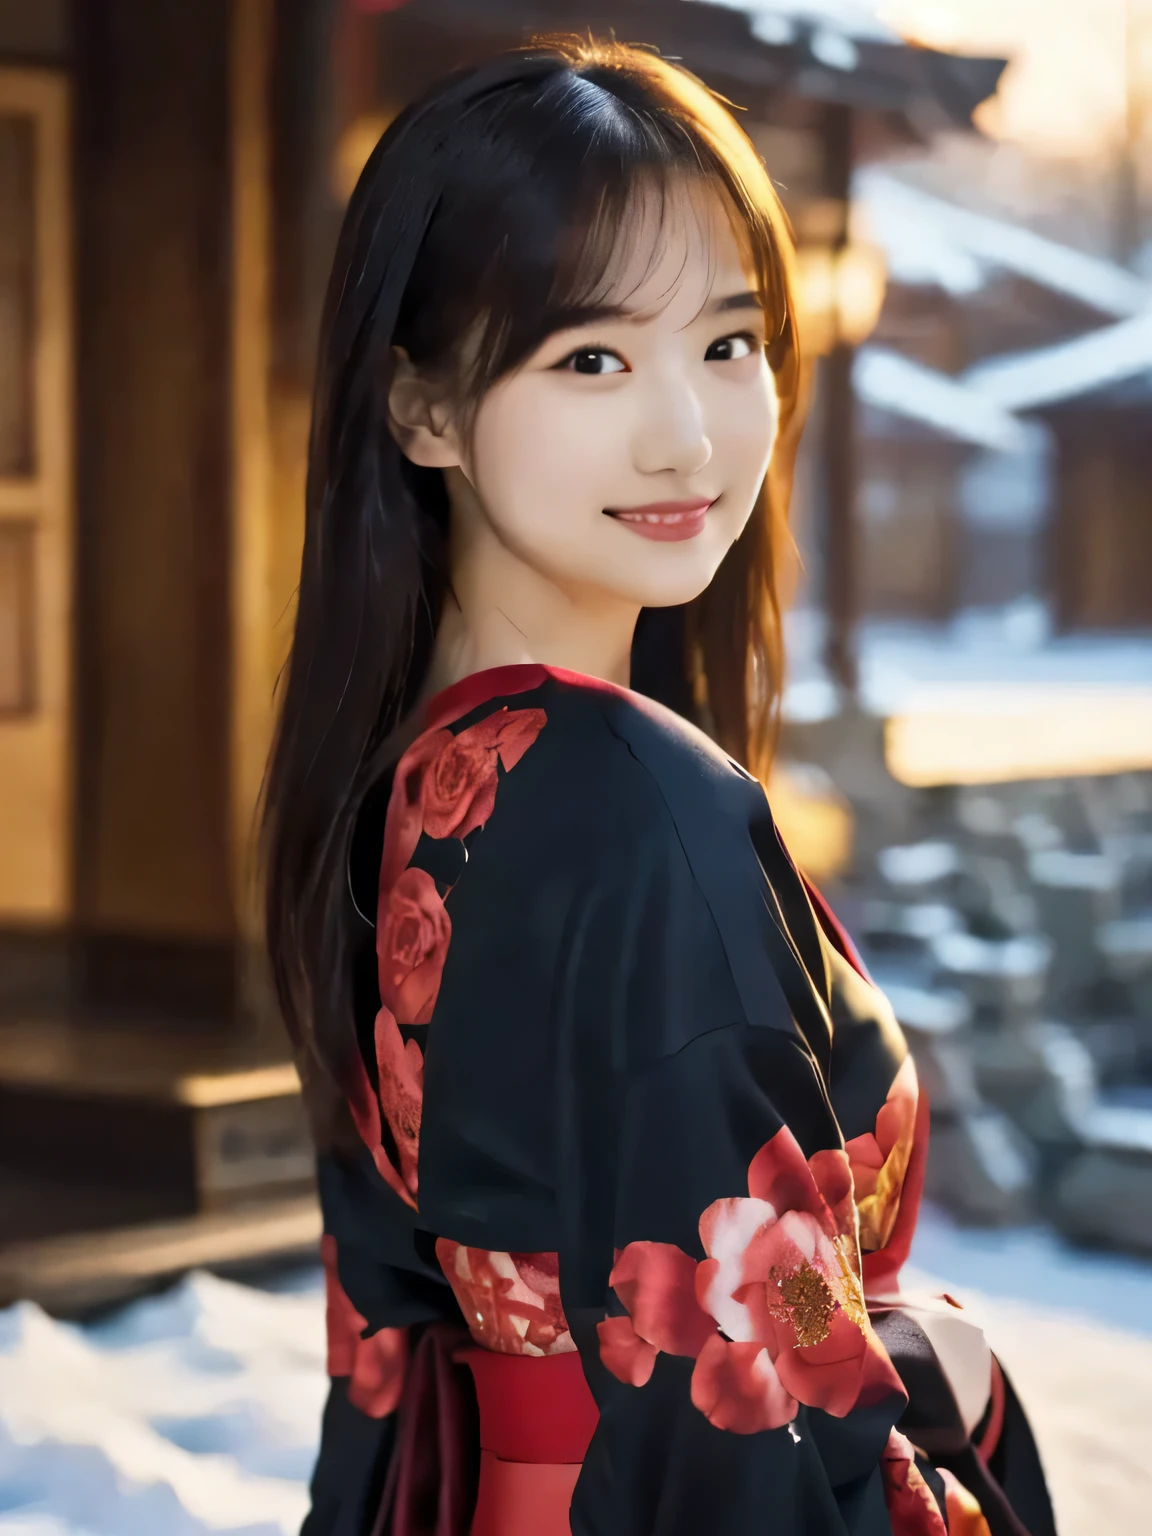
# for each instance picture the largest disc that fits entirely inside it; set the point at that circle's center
(35, 499)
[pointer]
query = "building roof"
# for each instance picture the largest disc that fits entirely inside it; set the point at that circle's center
(782, 21)
(1103, 360)
(826, 50)
(931, 242)
(951, 407)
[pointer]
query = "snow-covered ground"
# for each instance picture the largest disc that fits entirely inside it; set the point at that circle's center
(906, 666)
(197, 1411)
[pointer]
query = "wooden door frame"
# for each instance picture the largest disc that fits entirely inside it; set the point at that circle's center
(36, 748)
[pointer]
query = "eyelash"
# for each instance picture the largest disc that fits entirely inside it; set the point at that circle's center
(598, 349)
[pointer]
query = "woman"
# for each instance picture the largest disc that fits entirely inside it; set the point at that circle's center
(620, 1150)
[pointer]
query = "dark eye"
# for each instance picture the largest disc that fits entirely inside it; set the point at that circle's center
(594, 360)
(730, 349)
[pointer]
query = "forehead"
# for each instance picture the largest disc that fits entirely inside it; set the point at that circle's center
(674, 245)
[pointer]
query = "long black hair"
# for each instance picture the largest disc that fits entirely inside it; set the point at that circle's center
(490, 209)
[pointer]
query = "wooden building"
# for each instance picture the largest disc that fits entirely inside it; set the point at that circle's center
(960, 507)
(1094, 394)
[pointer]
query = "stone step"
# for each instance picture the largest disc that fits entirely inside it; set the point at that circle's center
(77, 1271)
(136, 1120)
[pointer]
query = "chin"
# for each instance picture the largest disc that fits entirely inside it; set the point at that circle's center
(684, 588)
(666, 583)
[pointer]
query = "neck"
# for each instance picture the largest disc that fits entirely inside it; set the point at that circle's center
(500, 611)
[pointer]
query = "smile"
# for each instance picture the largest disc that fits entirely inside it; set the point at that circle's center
(666, 521)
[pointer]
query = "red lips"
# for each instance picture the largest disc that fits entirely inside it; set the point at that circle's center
(665, 521)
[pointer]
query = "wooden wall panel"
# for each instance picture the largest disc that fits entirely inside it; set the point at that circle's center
(155, 479)
(35, 499)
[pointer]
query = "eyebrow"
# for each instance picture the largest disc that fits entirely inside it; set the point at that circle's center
(592, 314)
(748, 298)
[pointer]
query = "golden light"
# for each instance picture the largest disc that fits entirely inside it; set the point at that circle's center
(841, 293)
(983, 736)
(815, 821)
(1064, 90)
(353, 147)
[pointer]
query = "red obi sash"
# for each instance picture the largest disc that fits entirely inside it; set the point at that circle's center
(537, 1417)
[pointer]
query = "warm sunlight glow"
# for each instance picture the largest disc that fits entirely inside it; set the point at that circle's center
(994, 736)
(1064, 92)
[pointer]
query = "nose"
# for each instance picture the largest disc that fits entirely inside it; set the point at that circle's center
(672, 433)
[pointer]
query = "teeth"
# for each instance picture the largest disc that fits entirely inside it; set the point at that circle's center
(665, 518)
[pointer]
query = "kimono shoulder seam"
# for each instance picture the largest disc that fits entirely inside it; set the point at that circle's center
(670, 819)
(667, 816)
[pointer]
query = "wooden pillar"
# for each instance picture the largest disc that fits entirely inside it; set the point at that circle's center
(156, 911)
(252, 615)
(841, 553)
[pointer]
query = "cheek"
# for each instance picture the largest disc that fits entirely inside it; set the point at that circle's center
(536, 446)
(745, 414)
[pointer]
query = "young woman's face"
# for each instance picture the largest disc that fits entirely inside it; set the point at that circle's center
(624, 457)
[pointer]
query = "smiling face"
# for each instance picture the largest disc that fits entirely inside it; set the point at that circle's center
(624, 457)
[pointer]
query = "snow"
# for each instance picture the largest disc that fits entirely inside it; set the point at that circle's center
(777, 21)
(932, 242)
(198, 1411)
(891, 382)
(189, 1413)
(1024, 381)
(998, 661)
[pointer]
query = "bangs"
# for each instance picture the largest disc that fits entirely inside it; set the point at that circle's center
(578, 185)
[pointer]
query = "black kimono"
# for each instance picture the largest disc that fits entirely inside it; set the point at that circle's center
(627, 1097)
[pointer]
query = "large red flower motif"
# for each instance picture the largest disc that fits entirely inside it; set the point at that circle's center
(375, 1366)
(880, 1161)
(412, 938)
(445, 784)
(774, 1316)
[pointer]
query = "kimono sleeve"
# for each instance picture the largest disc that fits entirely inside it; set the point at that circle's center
(735, 1369)
(708, 1260)
(378, 1292)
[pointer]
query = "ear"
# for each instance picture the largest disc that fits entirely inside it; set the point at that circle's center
(420, 418)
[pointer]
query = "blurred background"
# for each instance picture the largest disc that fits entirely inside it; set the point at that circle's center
(966, 761)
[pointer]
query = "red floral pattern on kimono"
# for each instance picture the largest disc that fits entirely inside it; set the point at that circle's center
(376, 1366)
(880, 1160)
(444, 786)
(964, 1514)
(774, 1316)
(510, 1301)
(411, 946)
(912, 1506)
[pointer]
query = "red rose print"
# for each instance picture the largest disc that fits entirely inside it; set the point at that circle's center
(880, 1162)
(411, 945)
(775, 1315)
(400, 1068)
(375, 1366)
(365, 1107)
(403, 824)
(445, 784)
